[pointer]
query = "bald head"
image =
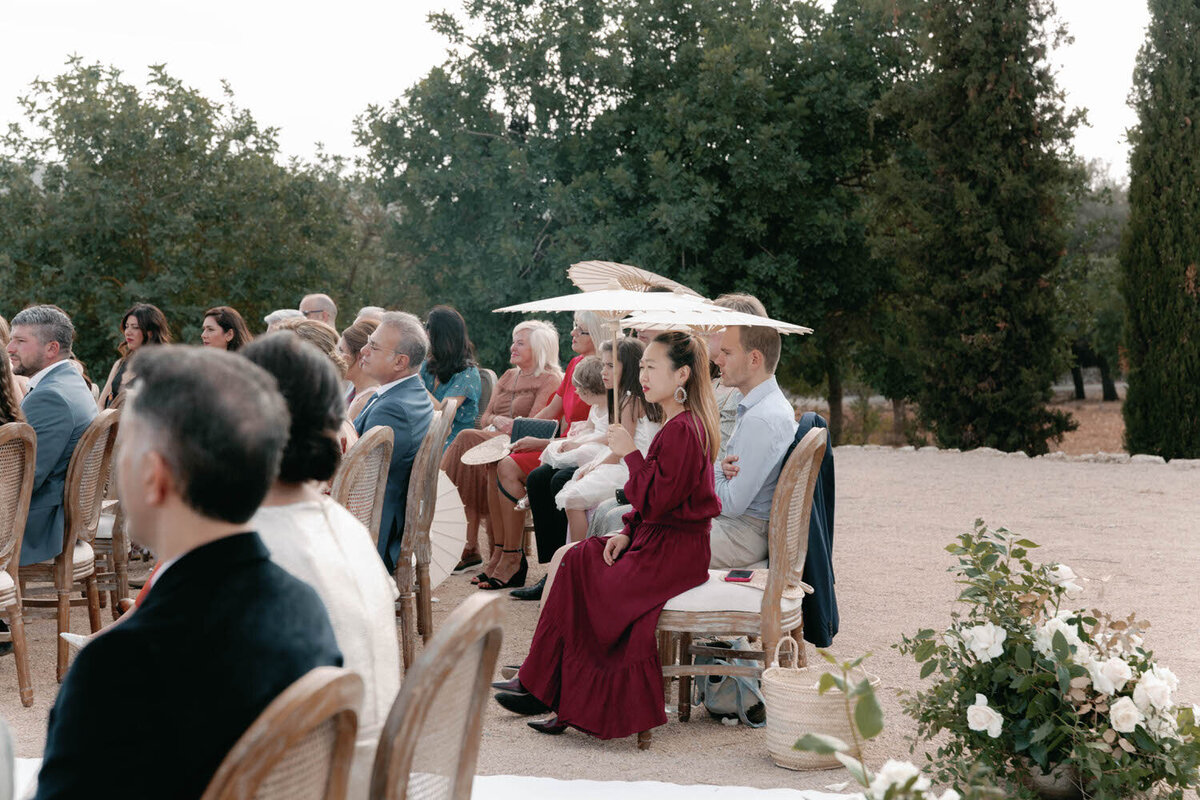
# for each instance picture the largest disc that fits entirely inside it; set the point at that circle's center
(319, 307)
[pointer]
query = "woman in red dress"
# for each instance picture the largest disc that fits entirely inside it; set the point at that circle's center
(508, 567)
(594, 656)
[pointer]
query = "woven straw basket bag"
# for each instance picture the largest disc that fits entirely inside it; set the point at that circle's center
(795, 707)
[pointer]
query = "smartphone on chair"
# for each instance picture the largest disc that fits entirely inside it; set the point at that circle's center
(739, 575)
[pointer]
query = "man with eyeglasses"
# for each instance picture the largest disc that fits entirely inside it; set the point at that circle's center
(319, 308)
(393, 355)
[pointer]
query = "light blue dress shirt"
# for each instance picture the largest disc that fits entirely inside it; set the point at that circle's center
(766, 425)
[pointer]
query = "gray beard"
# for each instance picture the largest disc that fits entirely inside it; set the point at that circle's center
(26, 371)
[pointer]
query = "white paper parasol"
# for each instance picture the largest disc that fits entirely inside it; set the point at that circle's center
(447, 531)
(591, 276)
(611, 305)
(704, 320)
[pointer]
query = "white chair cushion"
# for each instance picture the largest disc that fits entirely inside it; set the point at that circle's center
(8, 589)
(104, 529)
(718, 594)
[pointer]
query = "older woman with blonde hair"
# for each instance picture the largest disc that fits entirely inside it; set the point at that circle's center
(524, 390)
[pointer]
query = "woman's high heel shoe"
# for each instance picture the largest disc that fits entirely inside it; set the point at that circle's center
(492, 584)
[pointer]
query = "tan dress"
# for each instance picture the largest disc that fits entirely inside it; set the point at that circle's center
(514, 396)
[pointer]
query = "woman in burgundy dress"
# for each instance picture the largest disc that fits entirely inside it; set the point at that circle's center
(594, 656)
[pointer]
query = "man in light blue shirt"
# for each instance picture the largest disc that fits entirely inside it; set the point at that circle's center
(766, 425)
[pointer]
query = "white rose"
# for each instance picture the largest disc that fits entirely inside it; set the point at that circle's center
(980, 717)
(1110, 676)
(1168, 677)
(1124, 715)
(986, 641)
(1152, 692)
(1163, 726)
(895, 773)
(1043, 638)
(1063, 576)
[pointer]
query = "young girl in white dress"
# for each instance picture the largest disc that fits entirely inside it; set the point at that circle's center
(599, 478)
(585, 440)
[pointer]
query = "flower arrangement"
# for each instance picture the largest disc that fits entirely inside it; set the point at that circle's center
(895, 780)
(1028, 689)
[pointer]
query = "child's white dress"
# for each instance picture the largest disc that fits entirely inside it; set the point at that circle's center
(603, 481)
(593, 436)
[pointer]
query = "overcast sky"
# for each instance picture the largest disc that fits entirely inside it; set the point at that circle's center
(309, 69)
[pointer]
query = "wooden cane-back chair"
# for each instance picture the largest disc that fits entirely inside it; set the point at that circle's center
(487, 387)
(719, 608)
(412, 568)
(18, 456)
(75, 566)
(361, 480)
(430, 742)
(300, 747)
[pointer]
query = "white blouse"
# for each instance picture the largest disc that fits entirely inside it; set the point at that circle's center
(324, 545)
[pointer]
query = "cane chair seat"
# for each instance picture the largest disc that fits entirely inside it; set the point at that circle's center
(719, 595)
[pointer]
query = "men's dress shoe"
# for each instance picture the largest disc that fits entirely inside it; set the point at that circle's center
(5, 648)
(524, 704)
(530, 592)
(512, 686)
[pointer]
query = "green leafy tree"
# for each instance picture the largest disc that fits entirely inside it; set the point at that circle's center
(723, 143)
(111, 195)
(1161, 248)
(986, 199)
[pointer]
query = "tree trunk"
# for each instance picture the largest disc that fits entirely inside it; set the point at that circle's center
(898, 420)
(833, 375)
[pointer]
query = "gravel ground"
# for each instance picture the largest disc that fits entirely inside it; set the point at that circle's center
(1132, 529)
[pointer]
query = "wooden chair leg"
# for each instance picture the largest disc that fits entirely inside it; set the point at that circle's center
(93, 598)
(424, 603)
(666, 657)
(408, 629)
(16, 629)
(685, 681)
(802, 658)
(64, 626)
(644, 739)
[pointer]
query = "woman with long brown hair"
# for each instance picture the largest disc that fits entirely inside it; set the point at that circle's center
(224, 329)
(10, 392)
(141, 325)
(594, 656)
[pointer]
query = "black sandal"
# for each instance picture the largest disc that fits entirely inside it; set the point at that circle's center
(491, 584)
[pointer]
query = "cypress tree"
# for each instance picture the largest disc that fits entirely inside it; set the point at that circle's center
(1161, 249)
(988, 200)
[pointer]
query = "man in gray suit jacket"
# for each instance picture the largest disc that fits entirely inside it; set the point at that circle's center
(59, 406)
(393, 355)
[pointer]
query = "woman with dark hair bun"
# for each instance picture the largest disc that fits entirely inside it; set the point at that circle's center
(142, 324)
(321, 543)
(450, 370)
(224, 329)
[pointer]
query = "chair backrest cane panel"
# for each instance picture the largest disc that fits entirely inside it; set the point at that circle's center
(300, 747)
(791, 508)
(422, 485)
(18, 456)
(430, 742)
(361, 481)
(87, 478)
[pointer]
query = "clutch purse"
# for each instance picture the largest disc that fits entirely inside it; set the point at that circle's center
(531, 426)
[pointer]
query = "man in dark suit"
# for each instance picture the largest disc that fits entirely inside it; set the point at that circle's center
(393, 355)
(60, 407)
(223, 630)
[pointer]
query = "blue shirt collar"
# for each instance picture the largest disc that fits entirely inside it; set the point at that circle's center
(758, 394)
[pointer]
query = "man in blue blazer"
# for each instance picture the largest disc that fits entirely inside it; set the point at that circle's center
(393, 355)
(59, 406)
